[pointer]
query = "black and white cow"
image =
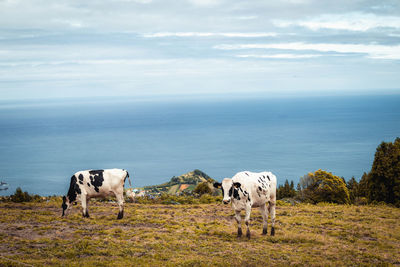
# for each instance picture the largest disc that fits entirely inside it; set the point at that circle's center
(246, 190)
(93, 184)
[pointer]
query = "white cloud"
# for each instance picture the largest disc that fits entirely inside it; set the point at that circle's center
(70, 23)
(137, 1)
(372, 50)
(349, 21)
(210, 34)
(280, 56)
(246, 17)
(205, 3)
(151, 62)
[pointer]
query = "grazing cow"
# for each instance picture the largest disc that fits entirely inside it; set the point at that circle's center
(249, 189)
(93, 184)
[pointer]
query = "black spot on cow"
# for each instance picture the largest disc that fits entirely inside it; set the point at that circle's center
(80, 177)
(73, 189)
(259, 188)
(230, 191)
(248, 197)
(81, 182)
(236, 194)
(246, 173)
(78, 189)
(88, 184)
(96, 178)
(216, 184)
(268, 178)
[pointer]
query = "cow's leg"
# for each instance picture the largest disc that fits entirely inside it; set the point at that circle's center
(120, 200)
(271, 208)
(87, 207)
(84, 205)
(247, 220)
(264, 214)
(239, 222)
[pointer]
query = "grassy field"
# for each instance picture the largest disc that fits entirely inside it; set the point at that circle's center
(196, 235)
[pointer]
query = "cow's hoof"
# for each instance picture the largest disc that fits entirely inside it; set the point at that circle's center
(265, 231)
(272, 231)
(120, 215)
(239, 232)
(248, 234)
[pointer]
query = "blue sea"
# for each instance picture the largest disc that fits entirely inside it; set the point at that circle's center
(43, 142)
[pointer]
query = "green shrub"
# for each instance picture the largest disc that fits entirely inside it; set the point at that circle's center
(20, 196)
(202, 188)
(322, 186)
(382, 183)
(286, 191)
(361, 201)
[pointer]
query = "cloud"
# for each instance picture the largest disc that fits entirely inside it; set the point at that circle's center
(97, 62)
(372, 50)
(205, 3)
(280, 56)
(349, 21)
(211, 34)
(246, 17)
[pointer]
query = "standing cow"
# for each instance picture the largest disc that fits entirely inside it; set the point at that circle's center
(93, 184)
(247, 190)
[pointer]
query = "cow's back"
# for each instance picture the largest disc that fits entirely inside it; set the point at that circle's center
(258, 185)
(101, 182)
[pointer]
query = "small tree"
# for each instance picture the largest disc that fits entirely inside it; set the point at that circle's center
(383, 181)
(353, 187)
(20, 196)
(202, 188)
(286, 191)
(323, 186)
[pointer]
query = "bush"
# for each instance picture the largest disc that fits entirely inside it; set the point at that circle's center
(20, 196)
(361, 201)
(286, 191)
(322, 186)
(382, 183)
(354, 189)
(202, 188)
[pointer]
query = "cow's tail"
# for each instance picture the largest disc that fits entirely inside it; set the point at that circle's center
(129, 180)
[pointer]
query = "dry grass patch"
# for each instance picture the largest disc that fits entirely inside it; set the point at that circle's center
(197, 235)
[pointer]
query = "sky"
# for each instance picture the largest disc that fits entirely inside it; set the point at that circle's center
(97, 48)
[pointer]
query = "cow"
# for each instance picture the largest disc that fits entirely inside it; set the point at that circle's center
(94, 184)
(246, 190)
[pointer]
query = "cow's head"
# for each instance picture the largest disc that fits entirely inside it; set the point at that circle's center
(227, 187)
(66, 205)
(131, 194)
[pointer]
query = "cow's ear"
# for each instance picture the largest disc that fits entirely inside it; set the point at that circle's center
(237, 185)
(217, 185)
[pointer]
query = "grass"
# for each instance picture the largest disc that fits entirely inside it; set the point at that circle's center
(196, 235)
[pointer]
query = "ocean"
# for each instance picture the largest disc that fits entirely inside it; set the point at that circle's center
(43, 142)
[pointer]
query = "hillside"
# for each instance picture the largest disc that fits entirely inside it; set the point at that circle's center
(184, 183)
(197, 235)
